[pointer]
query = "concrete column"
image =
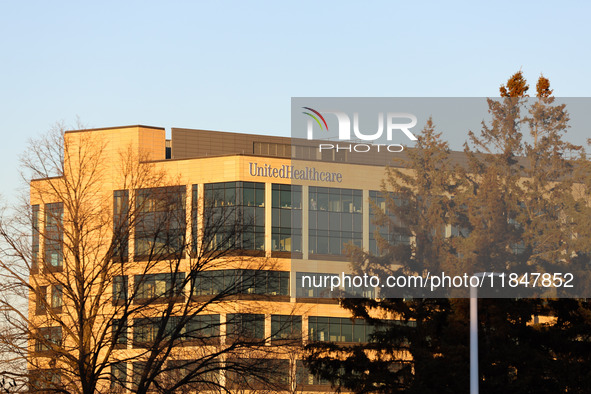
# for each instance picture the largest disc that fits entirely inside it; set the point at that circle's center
(267, 329)
(366, 212)
(305, 221)
(132, 201)
(200, 214)
(189, 220)
(268, 218)
(305, 332)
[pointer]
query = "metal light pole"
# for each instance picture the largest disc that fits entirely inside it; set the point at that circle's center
(474, 332)
(473, 340)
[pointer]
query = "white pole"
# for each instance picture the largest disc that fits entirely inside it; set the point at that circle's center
(473, 340)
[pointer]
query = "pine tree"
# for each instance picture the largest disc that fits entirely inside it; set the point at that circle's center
(521, 215)
(519, 205)
(415, 346)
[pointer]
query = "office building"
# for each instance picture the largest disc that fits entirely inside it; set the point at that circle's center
(300, 213)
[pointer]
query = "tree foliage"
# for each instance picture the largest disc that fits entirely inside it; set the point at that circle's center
(518, 204)
(111, 278)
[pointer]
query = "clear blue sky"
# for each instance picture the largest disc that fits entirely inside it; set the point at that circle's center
(235, 65)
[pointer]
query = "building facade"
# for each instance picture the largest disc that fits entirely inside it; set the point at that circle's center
(170, 205)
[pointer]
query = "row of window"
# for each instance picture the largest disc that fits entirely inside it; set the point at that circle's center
(152, 287)
(288, 150)
(335, 219)
(283, 327)
(203, 328)
(206, 283)
(242, 282)
(234, 219)
(276, 374)
(273, 373)
(317, 285)
(145, 330)
(337, 329)
(335, 213)
(53, 254)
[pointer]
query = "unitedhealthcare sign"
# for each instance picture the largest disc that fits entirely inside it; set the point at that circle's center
(291, 172)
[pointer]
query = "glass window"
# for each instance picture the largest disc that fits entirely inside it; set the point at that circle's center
(41, 300)
(120, 224)
(57, 296)
(54, 214)
(138, 370)
(145, 330)
(272, 149)
(286, 218)
(200, 377)
(335, 219)
(185, 328)
(35, 240)
(161, 222)
(231, 282)
(47, 338)
(119, 331)
(44, 380)
(257, 375)
(286, 327)
(338, 329)
(384, 225)
(246, 325)
(208, 283)
(278, 283)
(153, 286)
(202, 327)
(235, 215)
(119, 289)
(119, 376)
(305, 377)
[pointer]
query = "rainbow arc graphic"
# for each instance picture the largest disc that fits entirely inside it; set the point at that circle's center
(316, 118)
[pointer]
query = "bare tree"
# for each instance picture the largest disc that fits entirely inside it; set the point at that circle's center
(126, 276)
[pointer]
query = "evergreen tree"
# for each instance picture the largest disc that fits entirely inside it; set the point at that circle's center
(415, 346)
(518, 206)
(522, 216)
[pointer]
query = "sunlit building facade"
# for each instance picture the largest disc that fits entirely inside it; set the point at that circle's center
(300, 215)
